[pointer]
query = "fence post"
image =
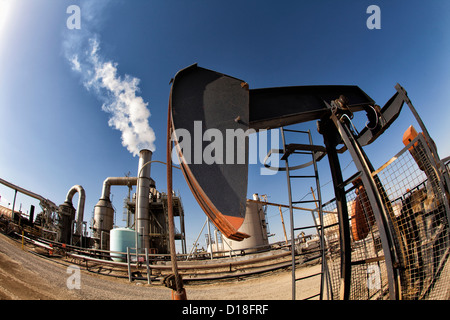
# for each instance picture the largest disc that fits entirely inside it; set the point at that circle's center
(148, 266)
(128, 263)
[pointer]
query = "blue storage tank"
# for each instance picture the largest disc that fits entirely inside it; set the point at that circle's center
(120, 239)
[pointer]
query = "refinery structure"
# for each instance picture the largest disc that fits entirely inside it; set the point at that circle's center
(384, 235)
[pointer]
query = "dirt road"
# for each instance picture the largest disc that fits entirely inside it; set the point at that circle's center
(24, 275)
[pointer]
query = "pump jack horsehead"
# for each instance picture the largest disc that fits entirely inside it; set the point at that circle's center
(222, 103)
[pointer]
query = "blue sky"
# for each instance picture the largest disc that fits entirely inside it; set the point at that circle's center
(54, 133)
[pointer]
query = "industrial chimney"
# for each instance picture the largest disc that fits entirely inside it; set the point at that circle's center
(142, 198)
(104, 211)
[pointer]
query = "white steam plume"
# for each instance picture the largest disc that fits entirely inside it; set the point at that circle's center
(129, 112)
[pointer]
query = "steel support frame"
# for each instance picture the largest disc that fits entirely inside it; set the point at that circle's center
(364, 166)
(331, 140)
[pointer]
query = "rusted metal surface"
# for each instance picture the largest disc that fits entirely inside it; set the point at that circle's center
(178, 287)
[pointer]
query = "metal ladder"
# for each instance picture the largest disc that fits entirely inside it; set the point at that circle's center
(316, 152)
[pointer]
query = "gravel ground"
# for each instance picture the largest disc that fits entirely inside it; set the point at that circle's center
(25, 276)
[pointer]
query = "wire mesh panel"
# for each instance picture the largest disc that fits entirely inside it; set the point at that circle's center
(332, 247)
(418, 220)
(416, 204)
(368, 273)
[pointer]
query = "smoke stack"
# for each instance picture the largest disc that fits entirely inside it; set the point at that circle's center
(142, 198)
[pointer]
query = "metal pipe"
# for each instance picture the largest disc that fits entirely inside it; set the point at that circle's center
(180, 292)
(142, 198)
(196, 240)
(129, 264)
(116, 181)
(103, 211)
(24, 191)
(286, 206)
(80, 207)
(45, 203)
(148, 266)
(210, 240)
(14, 204)
(187, 266)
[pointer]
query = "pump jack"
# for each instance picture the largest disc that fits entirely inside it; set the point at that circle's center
(223, 102)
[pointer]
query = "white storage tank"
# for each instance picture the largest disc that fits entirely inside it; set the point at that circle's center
(120, 239)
